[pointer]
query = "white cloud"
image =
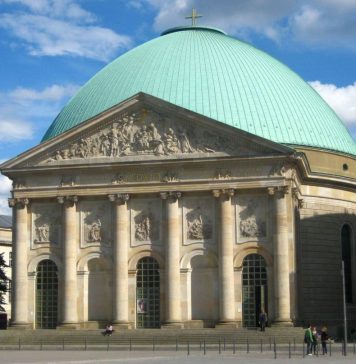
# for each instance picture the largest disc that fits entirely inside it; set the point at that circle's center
(55, 8)
(61, 27)
(315, 22)
(5, 188)
(52, 93)
(341, 99)
(15, 130)
(22, 110)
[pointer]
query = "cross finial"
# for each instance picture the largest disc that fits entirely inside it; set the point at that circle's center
(194, 16)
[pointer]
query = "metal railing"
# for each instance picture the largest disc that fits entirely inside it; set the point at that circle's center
(231, 344)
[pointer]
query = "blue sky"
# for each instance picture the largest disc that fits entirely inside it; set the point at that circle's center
(49, 48)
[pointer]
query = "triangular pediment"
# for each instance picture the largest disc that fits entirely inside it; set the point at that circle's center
(145, 128)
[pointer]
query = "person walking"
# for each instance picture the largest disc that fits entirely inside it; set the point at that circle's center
(308, 339)
(262, 320)
(324, 339)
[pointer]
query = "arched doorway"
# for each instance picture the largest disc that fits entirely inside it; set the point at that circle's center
(254, 289)
(147, 293)
(46, 295)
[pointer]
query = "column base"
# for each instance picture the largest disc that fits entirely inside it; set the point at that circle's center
(68, 326)
(19, 326)
(122, 325)
(283, 323)
(227, 325)
(172, 325)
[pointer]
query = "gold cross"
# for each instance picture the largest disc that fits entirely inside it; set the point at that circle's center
(194, 16)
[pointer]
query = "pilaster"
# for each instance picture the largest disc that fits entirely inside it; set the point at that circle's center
(120, 258)
(19, 311)
(173, 286)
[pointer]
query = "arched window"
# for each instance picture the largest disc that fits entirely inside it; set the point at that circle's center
(254, 289)
(147, 293)
(46, 295)
(346, 253)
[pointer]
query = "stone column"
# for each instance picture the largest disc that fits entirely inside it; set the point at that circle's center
(19, 312)
(120, 259)
(173, 301)
(70, 246)
(281, 257)
(226, 257)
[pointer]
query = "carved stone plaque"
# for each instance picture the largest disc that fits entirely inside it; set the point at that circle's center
(146, 221)
(95, 221)
(251, 222)
(46, 223)
(198, 220)
(145, 132)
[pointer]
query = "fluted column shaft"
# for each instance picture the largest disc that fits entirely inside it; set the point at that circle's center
(19, 312)
(173, 301)
(69, 304)
(120, 257)
(281, 259)
(226, 259)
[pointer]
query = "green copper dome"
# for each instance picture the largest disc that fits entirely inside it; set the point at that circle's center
(206, 71)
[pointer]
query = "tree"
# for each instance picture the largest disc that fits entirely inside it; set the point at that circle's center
(3, 281)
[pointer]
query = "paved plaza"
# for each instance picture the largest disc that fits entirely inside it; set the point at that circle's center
(171, 357)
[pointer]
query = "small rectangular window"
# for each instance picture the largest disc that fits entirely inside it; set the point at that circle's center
(10, 259)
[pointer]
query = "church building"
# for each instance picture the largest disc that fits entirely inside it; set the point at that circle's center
(193, 182)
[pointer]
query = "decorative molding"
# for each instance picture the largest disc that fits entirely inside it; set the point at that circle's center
(170, 177)
(222, 174)
(67, 181)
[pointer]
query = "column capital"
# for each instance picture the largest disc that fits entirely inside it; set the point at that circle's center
(69, 201)
(18, 202)
(229, 192)
(279, 190)
(173, 196)
(121, 198)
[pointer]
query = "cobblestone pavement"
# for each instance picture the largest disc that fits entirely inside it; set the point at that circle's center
(171, 357)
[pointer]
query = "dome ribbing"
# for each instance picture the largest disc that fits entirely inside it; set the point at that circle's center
(208, 72)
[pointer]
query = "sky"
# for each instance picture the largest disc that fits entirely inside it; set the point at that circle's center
(50, 48)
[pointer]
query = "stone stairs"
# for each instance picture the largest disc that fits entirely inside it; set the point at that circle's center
(151, 339)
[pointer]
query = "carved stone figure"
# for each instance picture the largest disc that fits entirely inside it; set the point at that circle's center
(143, 227)
(46, 223)
(95, 231)
(184, 142)
(199, 225)
(250, 228)
(252, 219)
(42, 235)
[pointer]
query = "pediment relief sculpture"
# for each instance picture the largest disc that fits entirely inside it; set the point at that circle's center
(147, 134)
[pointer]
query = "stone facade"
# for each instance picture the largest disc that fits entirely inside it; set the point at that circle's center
(147, 179)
